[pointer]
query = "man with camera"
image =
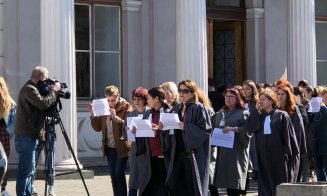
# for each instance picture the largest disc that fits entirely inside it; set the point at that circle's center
(31, 105)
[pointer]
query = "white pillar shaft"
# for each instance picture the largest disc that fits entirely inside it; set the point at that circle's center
(192, 42)
(302, 45)
(58, 55)
(256, 70)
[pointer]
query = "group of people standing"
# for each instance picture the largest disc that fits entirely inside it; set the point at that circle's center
(277, 136)
(270, 126)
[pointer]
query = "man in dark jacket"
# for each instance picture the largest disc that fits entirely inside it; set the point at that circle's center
(29, 123)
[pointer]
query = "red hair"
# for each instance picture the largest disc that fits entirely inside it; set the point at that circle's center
(290, 101)
(239, 100)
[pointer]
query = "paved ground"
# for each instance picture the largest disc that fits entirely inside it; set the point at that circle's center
(100, 185)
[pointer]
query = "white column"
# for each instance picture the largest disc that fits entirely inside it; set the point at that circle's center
(192, 42)
(302, 42)
(131, 42)
(255, 28)
(58, 55)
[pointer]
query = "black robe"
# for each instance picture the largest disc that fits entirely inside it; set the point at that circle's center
(294, 163)
(196, 140)
(274, 150)
(143, 159)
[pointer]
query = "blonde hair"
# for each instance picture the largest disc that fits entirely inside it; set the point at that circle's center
(321, 90)
(5, 99)
(170, 87)
(204, 99)
(111, 91)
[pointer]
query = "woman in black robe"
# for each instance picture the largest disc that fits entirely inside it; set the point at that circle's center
(188, 168)
(150, 151)
(288, 104)
(274, 142)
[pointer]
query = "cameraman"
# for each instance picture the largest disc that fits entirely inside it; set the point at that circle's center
(29, 123)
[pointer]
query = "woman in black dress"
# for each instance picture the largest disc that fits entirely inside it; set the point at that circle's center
(275, 136)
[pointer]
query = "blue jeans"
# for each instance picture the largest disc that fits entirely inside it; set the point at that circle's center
(321, 167)
(25, 147)
(117, 168)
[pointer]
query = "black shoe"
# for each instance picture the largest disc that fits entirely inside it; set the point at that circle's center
(34, 193)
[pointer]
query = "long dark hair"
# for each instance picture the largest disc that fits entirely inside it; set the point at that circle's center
(157, 92)
(255, 93)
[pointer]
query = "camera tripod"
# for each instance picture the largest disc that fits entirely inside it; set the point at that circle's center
(48, 145)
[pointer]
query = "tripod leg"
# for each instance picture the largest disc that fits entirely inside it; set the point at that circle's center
(72, 152)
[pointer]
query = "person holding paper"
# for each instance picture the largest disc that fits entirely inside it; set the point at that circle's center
(150, 150)
(114, 147)
(275, 136)
(232, 162)
(139, 96)
(189, 146)
(288, 104)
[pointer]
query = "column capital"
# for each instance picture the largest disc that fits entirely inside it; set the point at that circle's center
(133, 6)
(255, 13)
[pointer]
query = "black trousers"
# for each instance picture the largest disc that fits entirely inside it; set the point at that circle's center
(234, 192)
(156, 185)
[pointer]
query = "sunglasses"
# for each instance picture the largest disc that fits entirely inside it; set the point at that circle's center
(184, 91)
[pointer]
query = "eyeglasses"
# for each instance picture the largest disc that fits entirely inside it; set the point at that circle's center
(183, 91)
(229, 97)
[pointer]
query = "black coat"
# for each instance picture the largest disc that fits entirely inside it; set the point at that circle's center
(196, 137)
(274, 150)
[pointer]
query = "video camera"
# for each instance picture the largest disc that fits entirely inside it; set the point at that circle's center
(45, 87)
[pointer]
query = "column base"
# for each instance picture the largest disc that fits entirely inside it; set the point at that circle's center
(66, 165)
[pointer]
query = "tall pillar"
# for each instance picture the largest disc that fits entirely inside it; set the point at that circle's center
(57, 54)
(255, 45)
(192, 42)
(302, 44)
(131, 42)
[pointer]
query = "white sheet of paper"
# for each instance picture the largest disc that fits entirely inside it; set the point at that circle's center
(247, 107)
(130, 136)
(315, 104)
(129, 123)
(266, 127)
(169, 120)
(221, 139)
(100, 107)
(143, 128)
